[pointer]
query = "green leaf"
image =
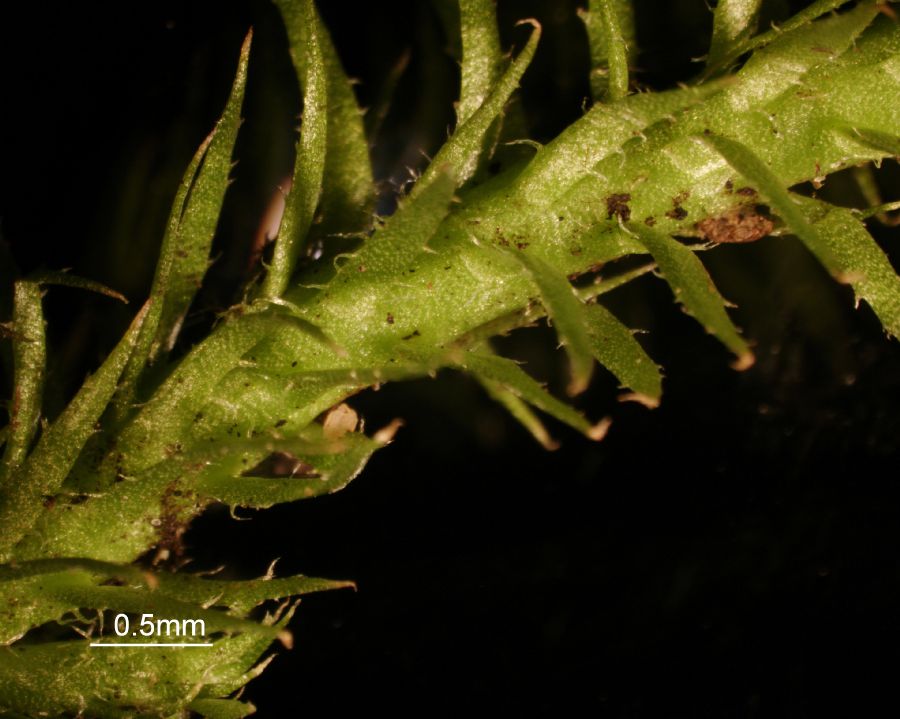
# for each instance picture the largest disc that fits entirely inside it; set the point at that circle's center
(797, 21)
(574, 155)
(607, 284)
(65, 279)
(162, 422)
(185, 258)
(79, 589)
(615, 347)
(461, 153)
(70, 678)
(309, 165)
(348, 191)
(242, 596)
(29, 362)
(221, 708)
(332, 472)
(188, 253)
(565, 309)
(610, 28)
(803, 52)
(481, 56)
(520, 411)
(46, 468)
(184, 255)
(694, 289)
(734, 22)
(509, 375)
(844, 246)
(393, 248)
(887, 143)
(151, 507)
(35, 591)
(838, 239)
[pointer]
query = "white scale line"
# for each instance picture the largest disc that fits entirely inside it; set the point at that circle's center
(138, 644)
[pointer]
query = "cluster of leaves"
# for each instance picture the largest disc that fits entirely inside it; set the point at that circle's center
(146, 444)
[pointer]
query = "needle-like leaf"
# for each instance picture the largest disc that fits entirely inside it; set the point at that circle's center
(734, 22)
(694, 289)
(610, 28)
(46, 468)
(29, 360)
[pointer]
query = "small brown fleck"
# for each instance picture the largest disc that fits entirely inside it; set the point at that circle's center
(729, 186)
(617, 205)
(521, 245)
(171, 523)
(746, 192)
(503, 242)
(677, 213)
(818, 181)
(414, 333)
(741, 224)
(650, 221)
(390, 318)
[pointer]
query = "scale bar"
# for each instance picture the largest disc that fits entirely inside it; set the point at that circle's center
(149, 644)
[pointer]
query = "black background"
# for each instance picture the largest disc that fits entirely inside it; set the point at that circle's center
(732, 553)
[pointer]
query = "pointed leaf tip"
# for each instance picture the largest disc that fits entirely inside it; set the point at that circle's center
(646, 400)
(598, 431)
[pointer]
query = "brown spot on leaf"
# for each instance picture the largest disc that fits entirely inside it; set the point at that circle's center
(650, 221)
(678, 212)
(390, 318)
(746, 192)
(617, 205)
(741, 224)
(171, 525)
